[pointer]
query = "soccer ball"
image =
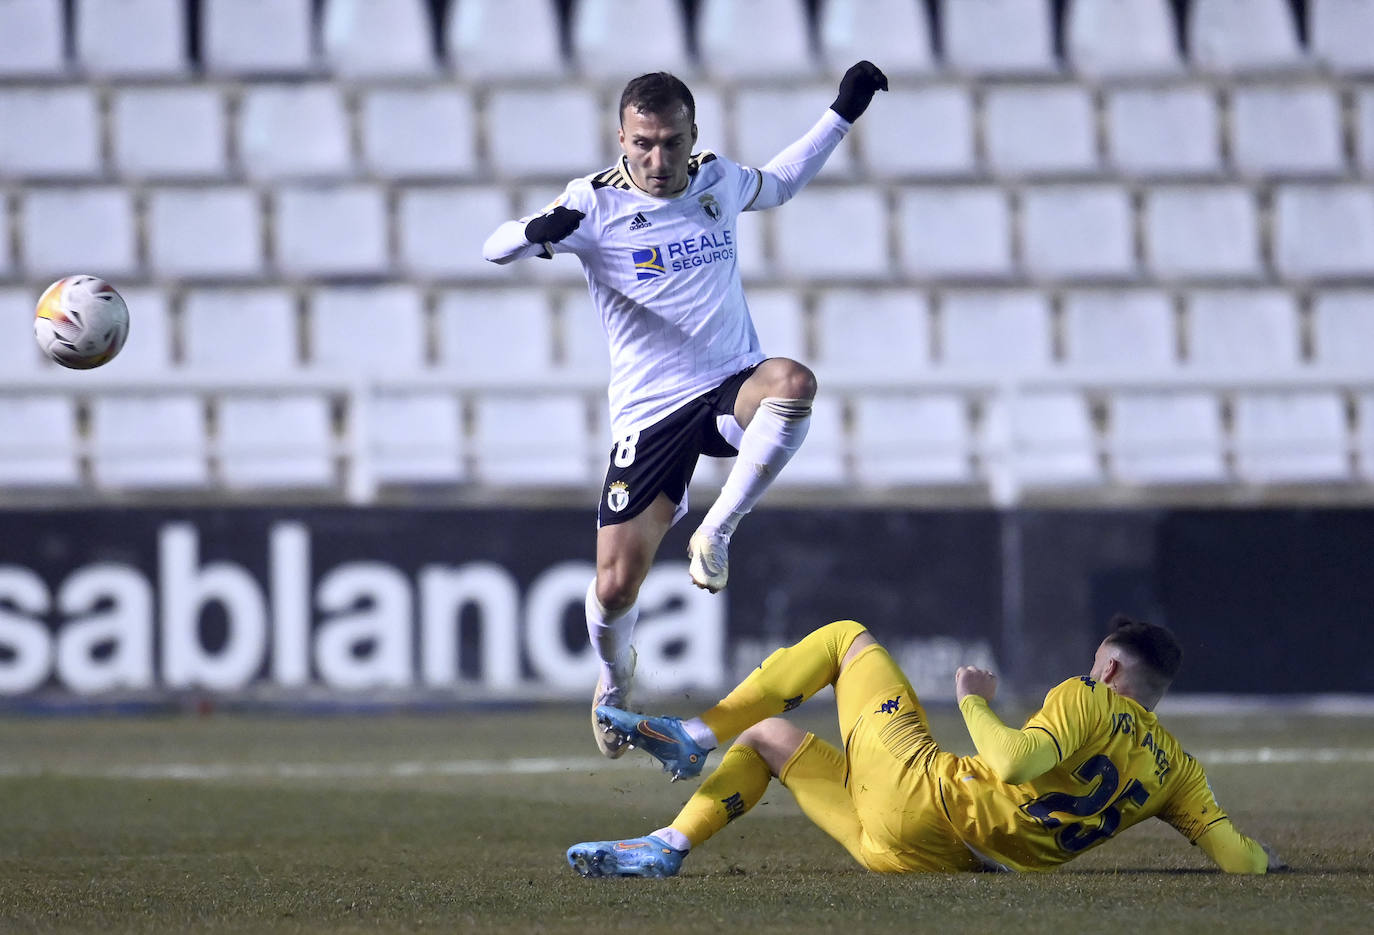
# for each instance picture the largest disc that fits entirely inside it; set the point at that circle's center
(81, 322)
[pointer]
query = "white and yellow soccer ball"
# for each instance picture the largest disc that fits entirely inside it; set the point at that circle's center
(81, 322)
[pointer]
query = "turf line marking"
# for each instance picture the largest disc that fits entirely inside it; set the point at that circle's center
(539, 766)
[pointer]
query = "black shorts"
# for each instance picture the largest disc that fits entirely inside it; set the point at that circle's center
(661, 458)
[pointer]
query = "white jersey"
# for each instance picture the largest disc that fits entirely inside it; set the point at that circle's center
(664, 272)
(664, 275)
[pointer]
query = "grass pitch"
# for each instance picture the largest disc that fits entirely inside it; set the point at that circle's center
(458, 822)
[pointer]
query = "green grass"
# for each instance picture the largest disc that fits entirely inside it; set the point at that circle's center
(349, 842)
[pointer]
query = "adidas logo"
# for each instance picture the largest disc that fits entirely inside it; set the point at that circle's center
(639, 222)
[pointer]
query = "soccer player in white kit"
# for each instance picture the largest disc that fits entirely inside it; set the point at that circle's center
(656, 235)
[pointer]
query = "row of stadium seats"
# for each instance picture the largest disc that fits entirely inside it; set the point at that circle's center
(337, 439)
(1076, 232)
(726, 39)
(855, 336)
(320, 131)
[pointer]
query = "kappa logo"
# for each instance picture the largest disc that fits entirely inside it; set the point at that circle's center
(639, 222)
(789, 703)
(648, 263)
(890, 706)
(618, 496)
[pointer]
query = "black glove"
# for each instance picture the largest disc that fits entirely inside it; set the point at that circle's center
(857, 88)
(552, 226)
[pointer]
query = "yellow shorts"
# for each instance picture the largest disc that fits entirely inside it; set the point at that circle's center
(879, 797)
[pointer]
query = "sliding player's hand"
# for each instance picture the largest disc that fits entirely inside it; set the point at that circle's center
(553, 225)
(1276, 863)
(971, 680)
(857, 88)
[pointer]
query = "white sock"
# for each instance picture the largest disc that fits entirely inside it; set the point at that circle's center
(769, 442)
(673, 838)
(701, 735)
(610, 633)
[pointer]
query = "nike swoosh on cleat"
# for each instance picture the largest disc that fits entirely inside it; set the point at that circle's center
(648, 731)
(622, 846)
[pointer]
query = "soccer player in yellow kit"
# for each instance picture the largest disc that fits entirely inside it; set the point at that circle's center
(1093, 761)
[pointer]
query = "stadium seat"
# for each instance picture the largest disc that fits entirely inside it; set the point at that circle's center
(416, 437)
(713, 125)
(38, 441)
(1120, 332)
(204, 232)
(377, 38)
(487, 334)
(175, 132)
(747, 40)
(1364, 130)
(1290, 437)
(1234, 332)
(332, 231)
(954, 231)
(1243, 35)
(609, 46)
(997, 37)
(1163, 130)
(248, 330)
(1040, 130)
(499, 40)
(820, 462)
(32, 38)
(1287, 130)
(19, 354)
(856, 219)
(418, 132)
(768, 119)
(293, 131)
(1202, 232)
(257, 37)
(6, 250)
(1165, 438)
(925, 131)
(1323, 231)
(1078, 232)
(1338, 33)
(1343, 330)
(995, 333)
(50, 132)
(585, 352)
(894, 33)
(275, 440)
(148, 441)
(911, 439)
(871, 335)
(1038, 440)
(149, 350)
(372, 330)
(1364, 434)
(441, 230)
(780, 322)
(78, 229)
(131, 38)
(1114, 38)
(520, 439)
(525, 120)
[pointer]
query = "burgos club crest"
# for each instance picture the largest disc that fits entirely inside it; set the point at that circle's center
(618, 496)
(710, 206)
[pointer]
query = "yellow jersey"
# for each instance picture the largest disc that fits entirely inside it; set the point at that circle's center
(1116, 767)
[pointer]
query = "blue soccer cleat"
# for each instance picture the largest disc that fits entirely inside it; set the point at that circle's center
(661, 737)
(635, 857)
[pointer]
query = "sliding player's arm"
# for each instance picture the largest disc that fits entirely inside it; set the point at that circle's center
(788, 172)
(1016, 756)
(1193, 812)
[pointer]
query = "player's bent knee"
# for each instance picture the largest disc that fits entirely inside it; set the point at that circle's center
(774, 740)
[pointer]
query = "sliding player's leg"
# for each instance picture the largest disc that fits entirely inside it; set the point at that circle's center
(774, 407)
(624, 553)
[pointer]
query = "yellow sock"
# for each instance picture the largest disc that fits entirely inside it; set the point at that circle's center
(732, 789)
(784, 680)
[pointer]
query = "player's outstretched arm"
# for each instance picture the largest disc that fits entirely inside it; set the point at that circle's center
(1233, 852)
(531, 237)
(788, 172)
(1016, 756)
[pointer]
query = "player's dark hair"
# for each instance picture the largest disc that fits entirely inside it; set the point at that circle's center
(658, 92)
(1155, 646)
